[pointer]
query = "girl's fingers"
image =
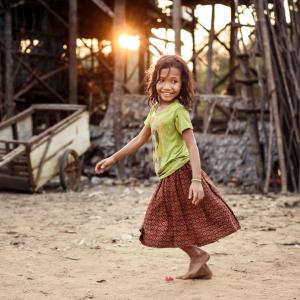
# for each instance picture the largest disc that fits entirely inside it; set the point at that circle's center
(100, 167)
(190, 193)
(196, 199)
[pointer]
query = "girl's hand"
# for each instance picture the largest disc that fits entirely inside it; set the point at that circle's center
(104, 164)
(196, 192)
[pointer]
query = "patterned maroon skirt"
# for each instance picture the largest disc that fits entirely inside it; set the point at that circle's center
(172, 220)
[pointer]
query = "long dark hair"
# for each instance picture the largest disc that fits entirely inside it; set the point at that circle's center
(186, 94)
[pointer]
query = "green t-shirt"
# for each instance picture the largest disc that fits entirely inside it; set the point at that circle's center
(170, 151)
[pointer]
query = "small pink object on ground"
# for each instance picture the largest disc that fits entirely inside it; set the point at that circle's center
(169, 278)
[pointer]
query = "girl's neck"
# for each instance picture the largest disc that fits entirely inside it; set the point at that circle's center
(163, 104)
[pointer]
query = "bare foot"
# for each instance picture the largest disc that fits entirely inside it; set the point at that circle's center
(198, 267)
(204, 273)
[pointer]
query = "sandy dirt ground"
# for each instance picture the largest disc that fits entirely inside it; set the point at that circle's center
(85, 245)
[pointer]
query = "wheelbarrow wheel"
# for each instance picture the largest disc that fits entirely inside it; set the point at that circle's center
(70, 170)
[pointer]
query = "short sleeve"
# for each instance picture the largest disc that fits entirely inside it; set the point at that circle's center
(182, 120)
(147, 120)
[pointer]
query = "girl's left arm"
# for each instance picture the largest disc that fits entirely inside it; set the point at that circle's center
(196, 190)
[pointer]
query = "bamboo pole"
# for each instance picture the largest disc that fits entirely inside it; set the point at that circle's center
(260, 7)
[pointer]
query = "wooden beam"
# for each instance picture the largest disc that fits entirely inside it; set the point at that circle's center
(72, 51)
(248, 93)
(193, 59)
(31, 71)
(117, 94)
(11, 155)
(260, 8)
(209, 79)
(54, 13)
(8, 96)
(104, 7)
(177, 25)
(34, 82)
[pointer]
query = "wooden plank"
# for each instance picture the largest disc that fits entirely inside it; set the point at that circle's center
(59, 107)
(5, 134)
(37, 140)
(14, 183)
(24, 129)
(16, 118)
(11, 155)
(79, 140)
(76, 135)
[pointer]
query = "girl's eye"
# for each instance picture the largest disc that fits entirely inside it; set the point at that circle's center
(174, 81)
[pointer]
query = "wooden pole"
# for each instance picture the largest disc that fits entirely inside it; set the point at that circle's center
(194, 60)
(233, 41)
(8, 96)
(72, 51)
(209, 74)
(142, 53)
(1, 89)
(208, 83)
(248, 94)
(260, 7)
(177, 25)
(117, 94)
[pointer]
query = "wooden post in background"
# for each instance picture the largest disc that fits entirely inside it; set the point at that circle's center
(8, 95)
(231, 90)
(117, 94)
(194, 58)
(209, 74)
(260, 7)
(177, 25)
(72, 51)
(247, 92)
(142, 53)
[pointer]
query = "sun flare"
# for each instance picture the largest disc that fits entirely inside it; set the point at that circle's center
(131, 42)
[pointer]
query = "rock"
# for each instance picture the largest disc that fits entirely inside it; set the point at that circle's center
(84, 179)
(108, 181)
(154, 179)
(96, 180)
(292, 203)
(126, 237)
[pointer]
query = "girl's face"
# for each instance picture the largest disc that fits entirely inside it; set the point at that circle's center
(169, 84)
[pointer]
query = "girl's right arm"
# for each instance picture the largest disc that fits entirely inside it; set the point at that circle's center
(132, 146)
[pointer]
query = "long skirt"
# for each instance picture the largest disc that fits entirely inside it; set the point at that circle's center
(172, 220)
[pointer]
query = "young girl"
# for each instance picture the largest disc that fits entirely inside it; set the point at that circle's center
(186, 210)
